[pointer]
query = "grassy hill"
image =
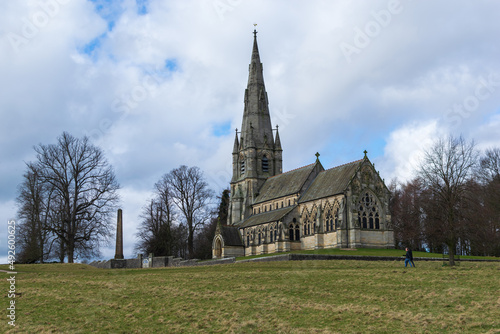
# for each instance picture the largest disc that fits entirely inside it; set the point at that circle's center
(276, 297)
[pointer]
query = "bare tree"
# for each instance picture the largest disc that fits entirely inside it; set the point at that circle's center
(158, 222)
(407, 214)
(35, 202)
(446, 170)
(205, 236)
(487, 214)
(192, 197)
(489, 170)
(85, 190)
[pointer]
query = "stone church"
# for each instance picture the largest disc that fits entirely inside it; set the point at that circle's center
(303, 209)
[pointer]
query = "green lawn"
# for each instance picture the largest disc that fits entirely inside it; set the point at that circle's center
(368, 252)
(274, 297)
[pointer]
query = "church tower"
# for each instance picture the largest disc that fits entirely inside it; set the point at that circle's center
(257, 153)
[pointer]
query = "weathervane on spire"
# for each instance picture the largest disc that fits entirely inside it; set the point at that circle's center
(254, 30)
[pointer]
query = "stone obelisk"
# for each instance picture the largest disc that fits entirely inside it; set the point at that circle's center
(119, 237)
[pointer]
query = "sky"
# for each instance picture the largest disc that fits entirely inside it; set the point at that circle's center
(158, 84)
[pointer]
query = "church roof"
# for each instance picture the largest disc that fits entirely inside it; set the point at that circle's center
(231, 236)
(266, 217)
(284, 184)
(331, 182)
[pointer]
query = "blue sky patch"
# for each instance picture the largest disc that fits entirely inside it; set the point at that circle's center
(109, 10)
(171, 64)
(142, 7)
(375, 146)
(221, 130)
(89, 48)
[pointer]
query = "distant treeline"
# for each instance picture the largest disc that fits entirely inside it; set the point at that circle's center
(453, 205)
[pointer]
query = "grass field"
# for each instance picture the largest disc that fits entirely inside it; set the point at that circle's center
(274, 297)
(368, 252)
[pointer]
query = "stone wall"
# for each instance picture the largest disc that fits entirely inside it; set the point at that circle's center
(101, 264)
(330, 240)
(233, 251)
(134, 263)
(376, 239)
(308, 242)
(158, 262)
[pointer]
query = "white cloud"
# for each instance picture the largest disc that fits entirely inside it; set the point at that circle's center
(404, 149)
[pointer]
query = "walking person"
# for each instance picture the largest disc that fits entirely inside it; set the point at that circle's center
(409, 258)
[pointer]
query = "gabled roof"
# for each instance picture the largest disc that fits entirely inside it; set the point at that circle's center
(284, 184)
(266, 217)
(230, 235)
(331, 182)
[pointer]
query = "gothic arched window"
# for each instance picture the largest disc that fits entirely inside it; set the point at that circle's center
(294, 231)
(290, 232)
(368, 215)
(265, 164)
(242, 167)
(307, 227)
(328, 222)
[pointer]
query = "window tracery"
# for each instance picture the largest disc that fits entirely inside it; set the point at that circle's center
(368, 212)
(328, 221)
(294, 231)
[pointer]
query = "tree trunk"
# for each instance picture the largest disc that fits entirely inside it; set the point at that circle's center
(70, 248)
(190, 242)
(62, 251)
(451, 253)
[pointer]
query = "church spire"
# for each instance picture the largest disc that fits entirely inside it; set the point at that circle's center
(257, 155)
(256, 126)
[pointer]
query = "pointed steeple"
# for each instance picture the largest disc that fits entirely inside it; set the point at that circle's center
(277, 141)
(258, 154)
(256, 76)
(256, 113)
(236, 146)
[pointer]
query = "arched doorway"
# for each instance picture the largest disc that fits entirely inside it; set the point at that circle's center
(218, 248)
